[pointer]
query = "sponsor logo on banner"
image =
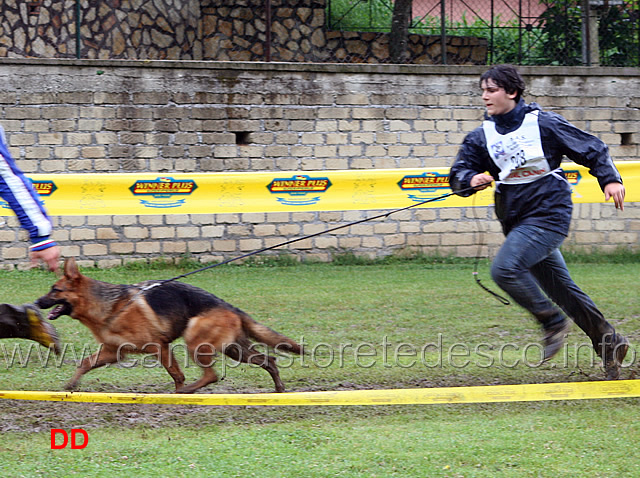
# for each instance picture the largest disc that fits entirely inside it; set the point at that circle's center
(164, 191)
(42, 188)
(424, 186)
(573, 177)
(299, 189)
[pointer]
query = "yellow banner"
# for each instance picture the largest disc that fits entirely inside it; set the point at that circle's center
(413, 396)
(214, 193)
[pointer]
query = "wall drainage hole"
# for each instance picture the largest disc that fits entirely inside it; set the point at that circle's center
(242, 137)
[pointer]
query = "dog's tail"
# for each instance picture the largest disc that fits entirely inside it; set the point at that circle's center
(270, 337)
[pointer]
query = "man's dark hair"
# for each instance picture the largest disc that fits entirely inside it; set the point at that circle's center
(507, 77)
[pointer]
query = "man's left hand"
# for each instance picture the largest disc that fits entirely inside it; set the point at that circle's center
(615, 191)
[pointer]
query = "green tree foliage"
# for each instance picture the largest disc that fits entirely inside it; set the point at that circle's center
(562, 36)
(617, 31)
(554, 39)
(360, 15)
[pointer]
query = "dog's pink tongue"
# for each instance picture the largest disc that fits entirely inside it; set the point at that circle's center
(55, 312)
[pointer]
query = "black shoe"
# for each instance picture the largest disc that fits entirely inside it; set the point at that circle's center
(614, 354)
(554, 336)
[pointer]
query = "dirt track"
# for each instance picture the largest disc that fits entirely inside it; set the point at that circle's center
(37, 416)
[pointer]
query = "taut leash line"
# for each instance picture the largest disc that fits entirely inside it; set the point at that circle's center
(291, 241)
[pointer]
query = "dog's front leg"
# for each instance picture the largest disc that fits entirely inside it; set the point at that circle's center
(98, 359)
(169, 362)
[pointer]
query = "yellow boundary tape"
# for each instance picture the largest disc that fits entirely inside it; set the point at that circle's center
(421, 396)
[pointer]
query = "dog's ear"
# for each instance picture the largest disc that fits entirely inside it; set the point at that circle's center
(71, 269)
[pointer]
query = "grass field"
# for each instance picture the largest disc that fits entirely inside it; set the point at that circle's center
(394, 324)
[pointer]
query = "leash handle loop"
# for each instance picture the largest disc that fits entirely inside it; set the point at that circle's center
(500, 298)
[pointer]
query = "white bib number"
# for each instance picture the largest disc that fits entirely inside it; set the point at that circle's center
(518, 154)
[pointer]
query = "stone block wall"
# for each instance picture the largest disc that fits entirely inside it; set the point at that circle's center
(204, 30)
(298, 33)
(78, 116)
(135, 29)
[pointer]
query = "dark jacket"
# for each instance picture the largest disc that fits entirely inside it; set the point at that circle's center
(546, 202)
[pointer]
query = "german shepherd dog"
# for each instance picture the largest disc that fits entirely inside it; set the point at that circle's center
(147, 317)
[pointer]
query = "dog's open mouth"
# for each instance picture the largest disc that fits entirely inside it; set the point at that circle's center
(60, 309)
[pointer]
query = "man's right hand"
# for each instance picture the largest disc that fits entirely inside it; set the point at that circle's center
(481, 181)
(50, 256)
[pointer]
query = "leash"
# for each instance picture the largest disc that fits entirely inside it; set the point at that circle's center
(481, 231)
(291, 241)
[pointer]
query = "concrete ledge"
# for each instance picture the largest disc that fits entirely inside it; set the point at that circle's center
(393, 69)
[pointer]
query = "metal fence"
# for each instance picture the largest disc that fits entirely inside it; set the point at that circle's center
(524, 32)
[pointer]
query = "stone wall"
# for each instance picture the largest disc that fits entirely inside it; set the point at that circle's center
(298, 32)
(354, 47)
(135, 29)
(72, 116)
(204, 30)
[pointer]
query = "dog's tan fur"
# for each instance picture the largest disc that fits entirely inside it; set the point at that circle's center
(146, 318)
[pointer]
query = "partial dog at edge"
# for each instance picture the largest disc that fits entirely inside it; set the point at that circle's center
(126, 320)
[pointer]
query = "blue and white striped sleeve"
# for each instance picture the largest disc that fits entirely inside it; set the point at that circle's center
(16, 189)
